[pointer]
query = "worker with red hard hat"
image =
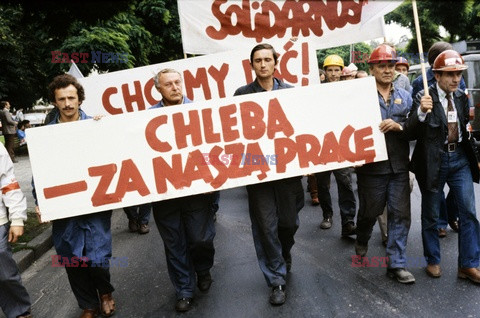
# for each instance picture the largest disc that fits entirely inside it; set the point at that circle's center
(402, 65)
(386, 183)
(443, 154)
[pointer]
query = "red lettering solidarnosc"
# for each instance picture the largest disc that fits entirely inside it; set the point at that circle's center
(269, 19)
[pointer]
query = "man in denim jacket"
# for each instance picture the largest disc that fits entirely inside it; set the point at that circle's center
(85, 237)
(387, 182)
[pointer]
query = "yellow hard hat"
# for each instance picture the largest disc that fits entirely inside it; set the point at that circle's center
(333, 60)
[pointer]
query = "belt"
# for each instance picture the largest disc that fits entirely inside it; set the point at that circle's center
(451, 147)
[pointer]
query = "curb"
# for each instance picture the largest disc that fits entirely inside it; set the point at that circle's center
(35, 249)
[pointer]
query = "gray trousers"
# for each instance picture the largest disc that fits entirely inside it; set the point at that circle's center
(274, 208)
(14, 298)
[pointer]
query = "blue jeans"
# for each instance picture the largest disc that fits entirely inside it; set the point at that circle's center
(346, 197)
(139, 213)
(14, 298)
(448, 211)
(455, 171)
(376, 191)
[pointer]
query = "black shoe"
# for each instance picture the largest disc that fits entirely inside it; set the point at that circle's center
(326, 223)
(133, 226)
(349, 229)
(361, 249)
(204, 282)
(442, 233)
(143, 229)
(183, 304)
(454, 225)
(26, 314)
(401, 275)
(278, 296)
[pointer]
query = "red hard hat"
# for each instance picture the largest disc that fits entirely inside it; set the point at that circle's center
(382, 53)
(402, 61)
(449, 61)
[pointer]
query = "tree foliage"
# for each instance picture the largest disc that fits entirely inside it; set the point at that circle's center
(461, 20)
(147, 31)
(361, 51)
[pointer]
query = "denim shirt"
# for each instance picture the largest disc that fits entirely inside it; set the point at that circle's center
(160, 103)
(396, 108)
(85, 235)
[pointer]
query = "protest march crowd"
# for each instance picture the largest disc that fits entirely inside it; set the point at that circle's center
(436, 118)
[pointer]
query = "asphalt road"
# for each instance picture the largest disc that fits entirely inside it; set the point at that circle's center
(323, 282)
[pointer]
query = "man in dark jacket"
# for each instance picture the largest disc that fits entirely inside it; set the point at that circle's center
(387, 182)
(448, 214)
(185, 224)
(274, 205)
(442, 155)
(333, 66)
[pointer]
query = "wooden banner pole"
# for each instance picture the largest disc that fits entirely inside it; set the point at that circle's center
(420, 47)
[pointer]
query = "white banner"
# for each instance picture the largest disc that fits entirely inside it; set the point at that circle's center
(214, 26)
(89, 166)
(205, 77)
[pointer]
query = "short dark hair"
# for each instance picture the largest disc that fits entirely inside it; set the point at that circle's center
(264, 46)
(436, 49)
(63, 81)
(23, 123)
(3, 103)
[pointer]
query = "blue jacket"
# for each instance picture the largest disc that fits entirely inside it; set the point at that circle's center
(397, 143)
(160, 103)
(85, 235)
(20, 134)
(254, 87)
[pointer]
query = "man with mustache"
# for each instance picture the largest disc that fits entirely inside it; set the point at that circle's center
(86, 237)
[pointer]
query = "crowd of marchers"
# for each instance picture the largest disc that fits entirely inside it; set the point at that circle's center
(437, 118)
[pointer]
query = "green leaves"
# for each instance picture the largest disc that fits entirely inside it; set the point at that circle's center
(146, 32)
(461, 20)
(361, 52)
